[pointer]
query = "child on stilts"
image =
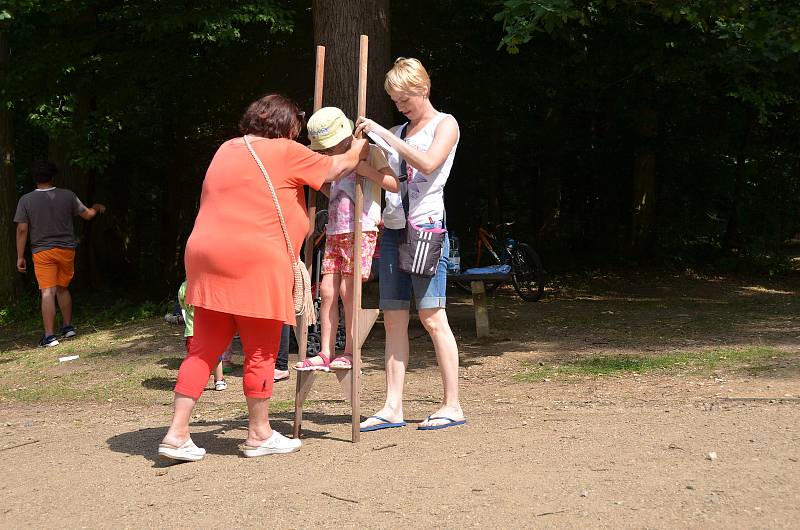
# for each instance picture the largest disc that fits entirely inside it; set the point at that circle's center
(330, 133)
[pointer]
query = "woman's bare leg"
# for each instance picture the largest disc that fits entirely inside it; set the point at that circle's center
(178, 431)
(258, 428)
(435, 322)
(395, 322)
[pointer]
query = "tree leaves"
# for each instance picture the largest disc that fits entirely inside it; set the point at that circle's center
(90, 57)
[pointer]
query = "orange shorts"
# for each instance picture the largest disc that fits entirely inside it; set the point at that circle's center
(54, 266)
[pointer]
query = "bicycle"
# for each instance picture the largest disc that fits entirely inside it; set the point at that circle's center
(523, 265)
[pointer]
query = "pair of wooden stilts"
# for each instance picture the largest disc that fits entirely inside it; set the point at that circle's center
(363, 319)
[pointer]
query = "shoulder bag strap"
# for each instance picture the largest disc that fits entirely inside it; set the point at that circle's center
(274, 198)
(403, 177)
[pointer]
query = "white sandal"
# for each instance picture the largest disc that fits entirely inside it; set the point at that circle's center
(274, 445)
(188, 452)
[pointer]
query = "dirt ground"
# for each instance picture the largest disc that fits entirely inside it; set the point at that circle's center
(622, 450)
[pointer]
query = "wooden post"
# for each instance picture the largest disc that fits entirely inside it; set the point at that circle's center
(362, 319)
(355, 376)
(306, 379)
(481, 311)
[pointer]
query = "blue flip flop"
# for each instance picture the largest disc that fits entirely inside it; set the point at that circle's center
(450, 423)
(385, 425)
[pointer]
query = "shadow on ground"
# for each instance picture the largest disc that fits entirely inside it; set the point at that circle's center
(159, 383)
(207, 434)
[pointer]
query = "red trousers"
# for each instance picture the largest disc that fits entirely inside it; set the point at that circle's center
(213, 332)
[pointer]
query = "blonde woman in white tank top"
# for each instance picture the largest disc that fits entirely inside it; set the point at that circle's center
(430, 144)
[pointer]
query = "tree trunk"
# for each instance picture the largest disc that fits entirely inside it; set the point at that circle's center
(732, 240)
(492, 170)
(8, 184)
(337, 26)
(644, 178)
(173, 197)
(81, 182)
(77, 179)
(547, 191)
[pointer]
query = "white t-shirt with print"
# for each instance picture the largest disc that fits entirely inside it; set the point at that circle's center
(425, 191)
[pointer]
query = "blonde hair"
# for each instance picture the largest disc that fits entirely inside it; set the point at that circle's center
(407, 76)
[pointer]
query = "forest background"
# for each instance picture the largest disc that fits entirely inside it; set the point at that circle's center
(616, 133)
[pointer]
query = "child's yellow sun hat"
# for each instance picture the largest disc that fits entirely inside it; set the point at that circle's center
(327, 127)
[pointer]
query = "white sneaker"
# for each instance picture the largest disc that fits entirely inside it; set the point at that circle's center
(188, 452)
(220, 385)
(274, 445)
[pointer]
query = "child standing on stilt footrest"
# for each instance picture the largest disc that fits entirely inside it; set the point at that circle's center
(331, 133)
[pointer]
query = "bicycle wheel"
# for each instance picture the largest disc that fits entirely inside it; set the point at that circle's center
(527, 273)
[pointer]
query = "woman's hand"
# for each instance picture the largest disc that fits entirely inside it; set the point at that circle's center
(345, 163)
(366, 125)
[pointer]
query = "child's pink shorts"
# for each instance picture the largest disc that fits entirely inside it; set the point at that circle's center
(339, 254)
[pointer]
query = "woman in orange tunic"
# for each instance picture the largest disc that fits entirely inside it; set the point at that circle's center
(238, 268)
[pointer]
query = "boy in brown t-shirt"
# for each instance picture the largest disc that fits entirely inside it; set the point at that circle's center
(46, 215)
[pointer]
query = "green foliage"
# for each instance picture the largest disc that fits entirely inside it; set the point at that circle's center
(23, 313)
(88, 91)
(122, 310)
(97, 310)
(211, 21)
(131, 99)
(722, 80)
(749, 42)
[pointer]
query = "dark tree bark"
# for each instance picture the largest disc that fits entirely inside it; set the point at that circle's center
(80, 180)
(732, 240)
(495, 176)
(337, 26)
(174, 204)
(547, 192)
(644, 178)
(8, 184)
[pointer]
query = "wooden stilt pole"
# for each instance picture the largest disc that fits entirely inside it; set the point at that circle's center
(306, 379)
(355, 376)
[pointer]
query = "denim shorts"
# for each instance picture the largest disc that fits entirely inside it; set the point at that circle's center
(396, 286)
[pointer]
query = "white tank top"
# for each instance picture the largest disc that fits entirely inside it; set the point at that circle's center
(425, 191)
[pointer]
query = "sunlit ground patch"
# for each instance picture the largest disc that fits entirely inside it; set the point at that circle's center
(763, 290)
